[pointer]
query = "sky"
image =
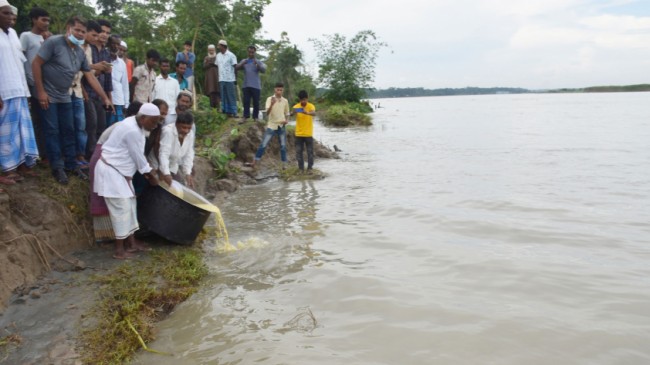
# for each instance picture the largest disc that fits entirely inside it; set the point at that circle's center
(534, 44)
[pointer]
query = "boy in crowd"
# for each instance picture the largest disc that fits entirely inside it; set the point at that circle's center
(31, 42)
(305, 112)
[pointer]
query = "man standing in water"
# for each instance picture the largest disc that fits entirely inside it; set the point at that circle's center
(122, 155)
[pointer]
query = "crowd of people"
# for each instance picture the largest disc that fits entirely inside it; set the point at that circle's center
(76, 101)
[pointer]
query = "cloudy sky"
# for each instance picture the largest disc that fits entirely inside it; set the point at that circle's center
(534, 44)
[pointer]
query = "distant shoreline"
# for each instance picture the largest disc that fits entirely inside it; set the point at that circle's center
(421, 92)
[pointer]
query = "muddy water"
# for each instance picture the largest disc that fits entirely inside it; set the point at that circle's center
(456, 230)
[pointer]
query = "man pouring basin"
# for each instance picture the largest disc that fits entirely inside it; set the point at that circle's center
(122, 155)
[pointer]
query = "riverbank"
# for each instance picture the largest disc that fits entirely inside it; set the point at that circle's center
(48, 302)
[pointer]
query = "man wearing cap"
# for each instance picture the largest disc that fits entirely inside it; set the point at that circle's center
(122, 53)
(211, 82)
(226, 61)
(122, 155)
(120, 93)
(252, 84)
(18, 149)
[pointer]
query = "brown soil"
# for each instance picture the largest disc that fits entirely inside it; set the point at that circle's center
(35, 230)
(47, 252)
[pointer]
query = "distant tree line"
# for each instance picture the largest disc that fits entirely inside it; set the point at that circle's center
(606, 89)
(394, 92)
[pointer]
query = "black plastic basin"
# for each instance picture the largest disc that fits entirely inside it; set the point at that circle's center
(171, 217)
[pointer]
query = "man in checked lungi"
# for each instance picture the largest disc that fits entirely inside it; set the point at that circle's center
(18, 151)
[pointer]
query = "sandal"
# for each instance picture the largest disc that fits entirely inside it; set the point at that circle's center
(15, 176)
(7, 180)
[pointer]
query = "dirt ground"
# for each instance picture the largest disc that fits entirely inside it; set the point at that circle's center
(47, 253)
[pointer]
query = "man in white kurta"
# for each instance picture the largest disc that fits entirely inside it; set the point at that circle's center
(18, 151)
(176, 156)
(122, 155)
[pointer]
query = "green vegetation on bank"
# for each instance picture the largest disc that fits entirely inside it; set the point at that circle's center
(346, 114)
(134, 296)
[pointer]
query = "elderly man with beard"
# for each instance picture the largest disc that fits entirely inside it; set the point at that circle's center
(211, 82)
(122, 155)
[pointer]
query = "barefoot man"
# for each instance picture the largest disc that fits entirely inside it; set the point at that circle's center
(123, 155)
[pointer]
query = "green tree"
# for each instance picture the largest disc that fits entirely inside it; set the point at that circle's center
(347, 67)
(283, 63)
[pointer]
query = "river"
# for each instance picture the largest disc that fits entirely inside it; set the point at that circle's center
(499, 229)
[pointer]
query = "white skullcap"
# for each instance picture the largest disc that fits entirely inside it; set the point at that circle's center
(4, 3)
(211, 46)
(223, 43)
(123, 44)
(150, 110)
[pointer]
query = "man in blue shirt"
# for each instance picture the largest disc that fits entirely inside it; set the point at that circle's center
(180, 75)
(189, 58)
(252, 84)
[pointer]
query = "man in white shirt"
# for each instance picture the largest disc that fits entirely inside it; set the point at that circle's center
(123, 155)
(120, 79)
(167, 89)
(18, 149)
(226, 61)
(176, 156)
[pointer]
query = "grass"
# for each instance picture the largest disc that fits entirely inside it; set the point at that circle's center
(6, 342)
(74, 196)
(294, 174)
(136, 295)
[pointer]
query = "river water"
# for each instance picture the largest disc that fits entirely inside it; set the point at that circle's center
(502, 229)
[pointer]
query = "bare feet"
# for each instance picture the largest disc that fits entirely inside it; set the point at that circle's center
(139, 246)
(123, 256)
(6, 180)
(26, 171)
(13, 175)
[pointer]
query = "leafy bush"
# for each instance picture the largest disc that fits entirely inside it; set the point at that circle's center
(220, 160)
(207, 119)
(345, 115)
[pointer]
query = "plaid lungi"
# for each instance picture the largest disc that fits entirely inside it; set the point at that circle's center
(17, 141)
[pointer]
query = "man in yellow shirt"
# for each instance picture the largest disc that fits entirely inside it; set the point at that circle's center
(277, 109)
(305, 112)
